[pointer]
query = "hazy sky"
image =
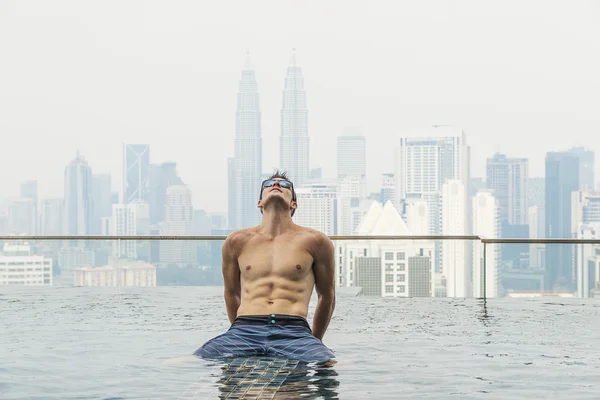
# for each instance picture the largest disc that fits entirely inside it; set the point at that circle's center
(521, 77)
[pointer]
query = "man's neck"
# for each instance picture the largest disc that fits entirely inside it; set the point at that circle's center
(276, 222)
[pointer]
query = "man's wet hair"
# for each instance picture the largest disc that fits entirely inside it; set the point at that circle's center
(279, 175)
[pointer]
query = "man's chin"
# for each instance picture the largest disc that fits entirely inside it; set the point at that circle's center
(275, 201)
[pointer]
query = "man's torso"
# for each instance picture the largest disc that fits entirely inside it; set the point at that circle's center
(276, 275)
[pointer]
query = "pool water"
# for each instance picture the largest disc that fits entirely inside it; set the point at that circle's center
(136, 343)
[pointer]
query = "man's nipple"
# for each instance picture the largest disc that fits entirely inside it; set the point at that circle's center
(298, 266)
(248, 267)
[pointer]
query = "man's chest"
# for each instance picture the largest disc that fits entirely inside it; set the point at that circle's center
(290, 259)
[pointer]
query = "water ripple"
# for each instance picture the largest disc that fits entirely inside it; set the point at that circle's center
(108, 345)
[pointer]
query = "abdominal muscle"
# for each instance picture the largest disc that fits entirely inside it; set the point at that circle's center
(275, 296)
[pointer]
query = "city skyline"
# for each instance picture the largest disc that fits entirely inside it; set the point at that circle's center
(429, 167)
(375, 185)
(163, 83)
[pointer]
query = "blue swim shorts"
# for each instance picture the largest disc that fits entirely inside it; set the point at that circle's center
(274, 335)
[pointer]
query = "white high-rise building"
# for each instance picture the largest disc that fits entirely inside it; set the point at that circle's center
(486, 224)
(427, 161)
(177, 222)
(247, 162)
(352, 185)
(585, 208)
(585, 224)
(587, 259)
(417, 217)
(351, 154)
(455, 257)
(123, 223)
(318, 207)
(294, 142)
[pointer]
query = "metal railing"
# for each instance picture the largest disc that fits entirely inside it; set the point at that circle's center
(484, 241)
(223, 237)
(332, 237)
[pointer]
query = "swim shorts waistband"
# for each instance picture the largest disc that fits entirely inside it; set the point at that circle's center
(272, 319)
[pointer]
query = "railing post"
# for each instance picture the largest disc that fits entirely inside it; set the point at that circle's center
(118, 273)
(484, 270)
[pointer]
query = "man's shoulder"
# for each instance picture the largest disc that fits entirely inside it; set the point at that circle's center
(242, 233)
(239, 237)
(315, 237)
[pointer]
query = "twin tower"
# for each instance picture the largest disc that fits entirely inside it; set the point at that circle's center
(245, 168)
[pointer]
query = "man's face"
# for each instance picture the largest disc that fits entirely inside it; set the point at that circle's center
(277, 189)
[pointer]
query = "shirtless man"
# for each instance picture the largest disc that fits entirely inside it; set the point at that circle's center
(269, 272)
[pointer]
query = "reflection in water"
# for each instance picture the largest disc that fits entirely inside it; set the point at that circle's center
(483, 315)
(269, 378)
(485, 318)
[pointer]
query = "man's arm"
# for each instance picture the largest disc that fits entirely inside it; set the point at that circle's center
(231, 276)
(324, 270)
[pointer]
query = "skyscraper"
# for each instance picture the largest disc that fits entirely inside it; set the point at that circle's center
(248, 153)
(508, 178)
(294, 142)
(417, 217)
(351, 173)
(585, 214)
(425, 163)
(586, 167)
(78, 206)
(486, 224)
(136, 172)
(52, 217)
(161, 177)
(536, 198)
(177, 222)
(29, 190)
(101, 190)
(454, 252)
(351, 154)
(350, 191)
(388, 188)
(518, 176)
(123, 223)
(318, 208)
(562, 178)
(497, 180)
(21, 217)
